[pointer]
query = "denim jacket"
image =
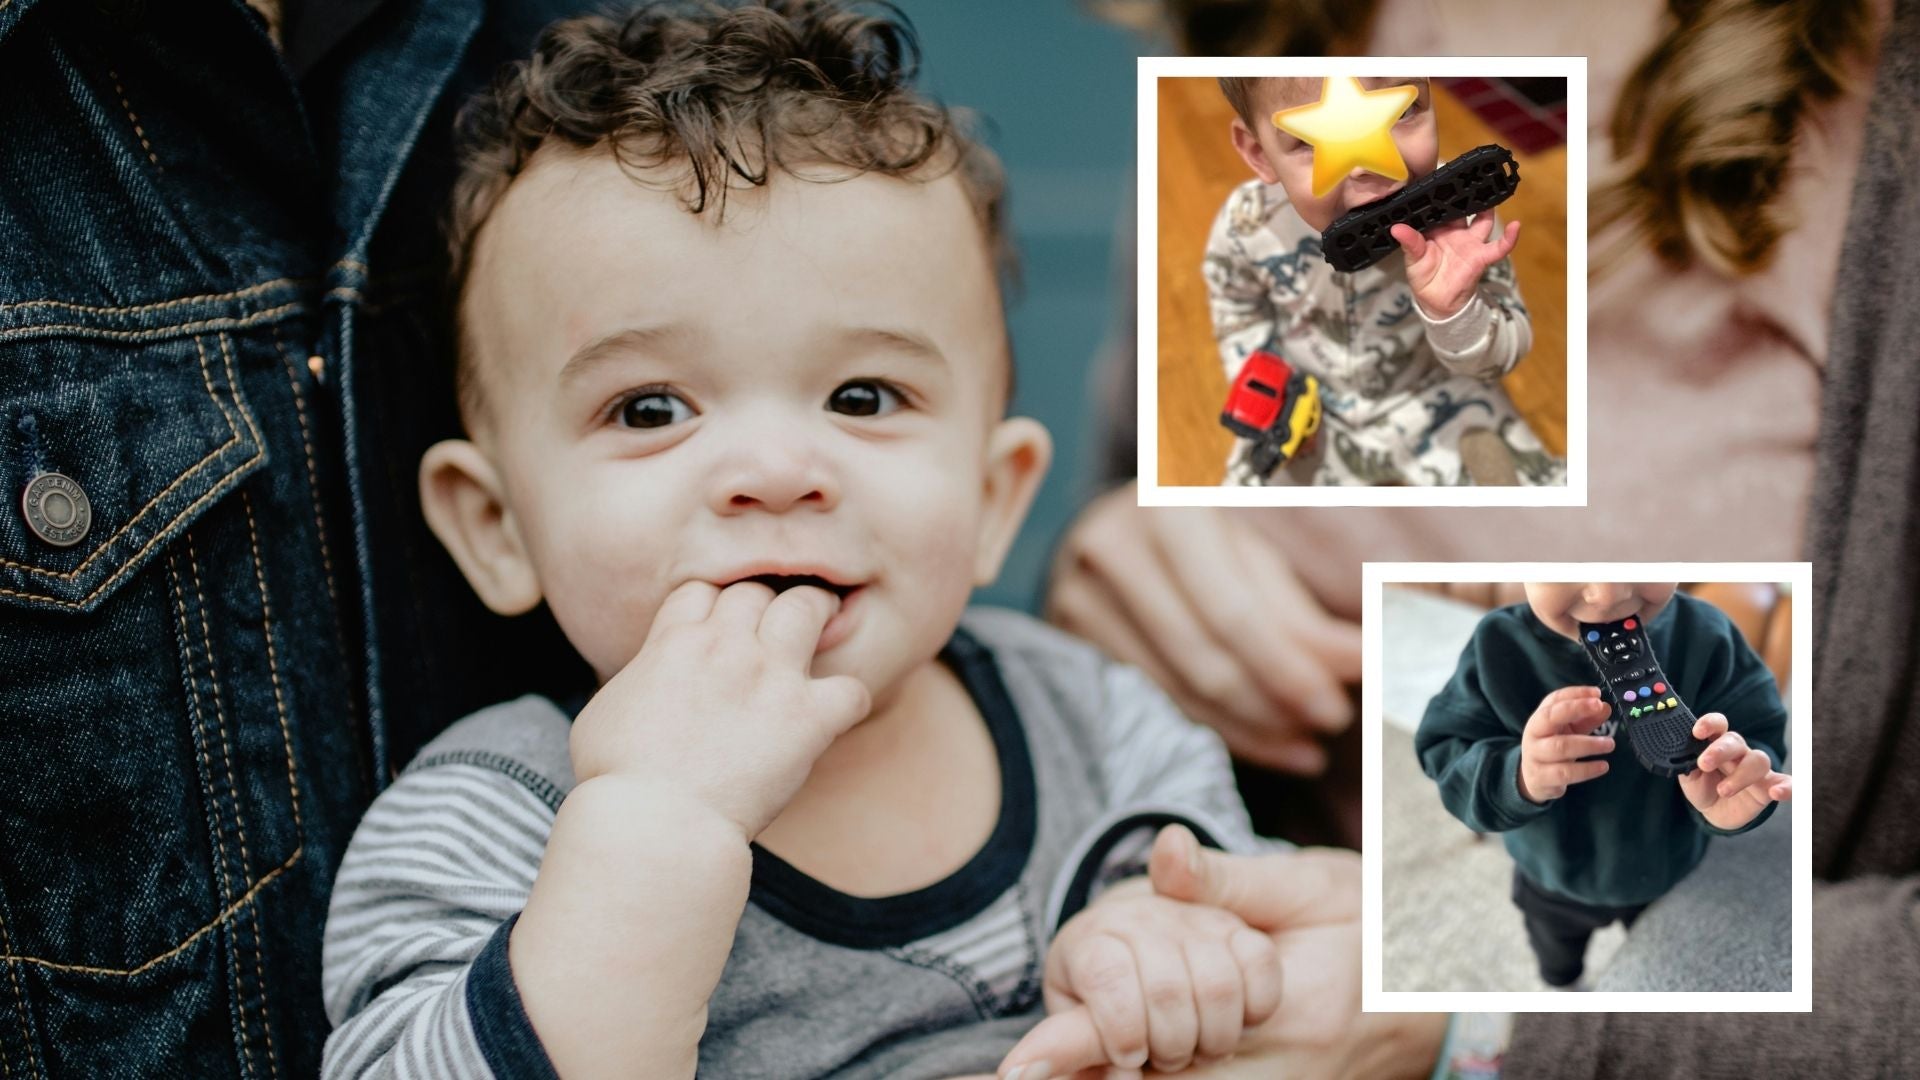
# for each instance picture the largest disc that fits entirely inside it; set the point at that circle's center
(219, 322)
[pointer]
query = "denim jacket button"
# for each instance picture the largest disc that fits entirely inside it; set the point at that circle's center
(57, 509)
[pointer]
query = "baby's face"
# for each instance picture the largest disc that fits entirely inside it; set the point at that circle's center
(1563, 606)
(1279, 158)
(811, 387)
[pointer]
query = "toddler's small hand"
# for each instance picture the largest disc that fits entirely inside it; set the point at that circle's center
(719, 702)
(1138, 978)
(1556, 739)
(1734, 782)
(1444, 266)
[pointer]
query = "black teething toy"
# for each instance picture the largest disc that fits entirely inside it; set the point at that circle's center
(1477, 180)
(1657, 724)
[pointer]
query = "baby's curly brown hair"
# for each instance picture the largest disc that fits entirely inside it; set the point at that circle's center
(731, 94)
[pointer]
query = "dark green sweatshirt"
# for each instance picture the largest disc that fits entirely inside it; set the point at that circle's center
(1627, 836)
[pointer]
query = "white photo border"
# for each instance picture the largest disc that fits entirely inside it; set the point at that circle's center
(1374, 576)
(1147, 265)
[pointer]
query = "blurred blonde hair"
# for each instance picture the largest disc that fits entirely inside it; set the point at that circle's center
(1702, 132)
(1704, 127)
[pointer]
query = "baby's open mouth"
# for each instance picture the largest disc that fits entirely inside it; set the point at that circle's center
(780, 583)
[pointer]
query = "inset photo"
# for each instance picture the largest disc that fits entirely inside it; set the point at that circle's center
(1580, 785)
(1354, 282)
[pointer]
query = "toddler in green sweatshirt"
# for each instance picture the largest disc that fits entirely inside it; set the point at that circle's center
(1522, 743)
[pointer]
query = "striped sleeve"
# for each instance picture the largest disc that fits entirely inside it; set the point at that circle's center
(440, 866)
(1160, 769)
(1154, 758)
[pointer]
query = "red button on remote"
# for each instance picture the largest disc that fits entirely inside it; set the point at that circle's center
(1631, 623)
(1659, 688)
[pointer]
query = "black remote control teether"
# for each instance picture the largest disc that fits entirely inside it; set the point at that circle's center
(1657, 724)
(1477, 180)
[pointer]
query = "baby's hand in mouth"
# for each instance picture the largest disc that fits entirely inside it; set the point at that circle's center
(719, 704)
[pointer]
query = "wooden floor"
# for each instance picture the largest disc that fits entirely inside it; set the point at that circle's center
(1198, 167)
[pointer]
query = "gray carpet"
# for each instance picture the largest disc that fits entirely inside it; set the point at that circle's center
(1445, 918)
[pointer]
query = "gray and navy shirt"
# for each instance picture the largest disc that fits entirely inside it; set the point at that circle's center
(936, 982)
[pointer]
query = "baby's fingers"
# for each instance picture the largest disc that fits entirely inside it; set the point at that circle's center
(1728, 747)
(1411, 241)
(691, 602)
(1566, 774)
(1576, 714)
(841, 701)
(1571, 747)
(1259, 962)
(1750, 770)
(740, 605)
(1709, 726)
(1220, 1001)
(1104, 974)
(1508, 241)
(791, 625)
(1173, 994)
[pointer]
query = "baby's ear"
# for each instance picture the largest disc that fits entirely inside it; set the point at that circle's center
(461, 494)
(1018, 452)
(1253, 153)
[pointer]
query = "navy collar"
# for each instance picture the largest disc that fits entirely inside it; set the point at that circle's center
(827, 914)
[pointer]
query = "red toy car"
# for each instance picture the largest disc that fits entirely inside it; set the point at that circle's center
(1275, 406)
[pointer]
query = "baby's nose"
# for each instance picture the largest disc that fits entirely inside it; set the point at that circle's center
(775, 476)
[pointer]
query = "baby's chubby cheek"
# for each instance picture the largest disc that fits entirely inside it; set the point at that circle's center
(606, 611)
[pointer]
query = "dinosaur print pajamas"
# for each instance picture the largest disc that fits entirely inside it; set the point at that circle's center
(1399, 388)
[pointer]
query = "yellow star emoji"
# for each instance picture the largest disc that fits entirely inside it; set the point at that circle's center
(1349, 126)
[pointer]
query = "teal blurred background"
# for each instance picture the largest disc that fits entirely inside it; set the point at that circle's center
(1056, 87)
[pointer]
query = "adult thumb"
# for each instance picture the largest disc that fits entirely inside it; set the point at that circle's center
(1269, 892)
(1059, 1046)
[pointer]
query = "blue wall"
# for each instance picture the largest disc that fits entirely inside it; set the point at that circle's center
(1057, 90)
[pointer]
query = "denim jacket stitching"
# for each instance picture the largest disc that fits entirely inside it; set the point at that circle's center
(233, 795)
(185, 943)
(286, 743)
(132, 119)
(273, 670)
(231, 907)
(218, 489)
(157, 333)
(161, 305)
(223, 879)
(13, 977)
(313, 477)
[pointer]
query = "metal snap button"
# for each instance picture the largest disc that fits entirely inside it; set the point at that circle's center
(57, 509)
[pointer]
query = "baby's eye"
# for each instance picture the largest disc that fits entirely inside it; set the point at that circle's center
(864, 397)
(655, 409)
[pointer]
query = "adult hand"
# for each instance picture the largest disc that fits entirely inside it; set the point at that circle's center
(1211, 611)
(1309, 902)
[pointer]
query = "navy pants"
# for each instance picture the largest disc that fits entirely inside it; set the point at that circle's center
(1559, 928)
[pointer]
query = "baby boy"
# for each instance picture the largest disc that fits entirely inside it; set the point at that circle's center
(1408, 351)
(735, 374)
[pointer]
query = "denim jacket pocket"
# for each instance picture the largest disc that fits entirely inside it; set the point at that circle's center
(146, 790)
